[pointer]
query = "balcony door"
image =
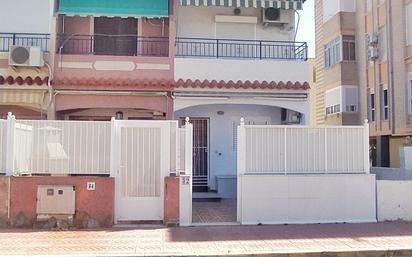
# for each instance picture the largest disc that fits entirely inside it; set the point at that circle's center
(115, 36)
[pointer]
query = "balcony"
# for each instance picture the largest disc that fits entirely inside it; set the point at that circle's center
(114, 45)
(232, 59)
(241, 49)
(24, 39)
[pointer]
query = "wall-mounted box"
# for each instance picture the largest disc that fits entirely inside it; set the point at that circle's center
(56, 199)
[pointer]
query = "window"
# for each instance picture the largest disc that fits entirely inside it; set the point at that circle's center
(333, 109)
(342, 99)
(348, 48)
(385, 104)
(340, 49)
(408, 22)
(372, 107)
(333, 52)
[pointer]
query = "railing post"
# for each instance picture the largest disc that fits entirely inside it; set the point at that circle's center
(11, 128)
(217, 48)
(241, 165)
(113, 148)
(188, 147)
(14, 38)
(260, 50)
(366, 147)
(241, 151)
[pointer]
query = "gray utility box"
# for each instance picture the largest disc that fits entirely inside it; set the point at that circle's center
(55, 200)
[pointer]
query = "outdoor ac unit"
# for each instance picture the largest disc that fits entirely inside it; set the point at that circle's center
(290, 117)
(26, 56)
(373, 39)
(275, 16)
(373, 53)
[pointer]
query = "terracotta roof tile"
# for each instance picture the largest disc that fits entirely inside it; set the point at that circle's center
(10, 80)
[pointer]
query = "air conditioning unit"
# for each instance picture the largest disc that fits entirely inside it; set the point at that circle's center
(26, 56)
(290, 117)
(373, 53)
(373, 39)
(275, 16)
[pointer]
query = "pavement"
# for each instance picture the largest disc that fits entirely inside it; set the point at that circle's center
(377, 239)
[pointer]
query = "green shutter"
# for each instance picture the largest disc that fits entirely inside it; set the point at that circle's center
(118, 8)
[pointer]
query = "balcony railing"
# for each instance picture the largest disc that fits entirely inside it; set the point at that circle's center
(118, 45)
(239, 49)
(24, 39)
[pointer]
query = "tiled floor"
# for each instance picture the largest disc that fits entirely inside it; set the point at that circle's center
(214, 212)
(377, 239)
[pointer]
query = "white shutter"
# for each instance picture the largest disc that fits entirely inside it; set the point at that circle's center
(408, 22)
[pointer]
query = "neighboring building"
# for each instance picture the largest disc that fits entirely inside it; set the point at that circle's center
(24, 90)
(232, 63)
(385, 73)
(380, 68)
(336, 90)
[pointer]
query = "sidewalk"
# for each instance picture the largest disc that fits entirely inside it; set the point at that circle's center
(218, 240)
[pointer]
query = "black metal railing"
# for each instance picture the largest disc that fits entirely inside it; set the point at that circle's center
(248, 49)
(24, 39)
(119, 45)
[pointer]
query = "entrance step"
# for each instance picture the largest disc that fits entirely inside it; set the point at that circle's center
(206, 197)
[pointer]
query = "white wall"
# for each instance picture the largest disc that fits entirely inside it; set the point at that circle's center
(221, 129)
(394, 199)
(332, 7)
(26, 16)
(200, 22)
(227, 69)
(271, 199)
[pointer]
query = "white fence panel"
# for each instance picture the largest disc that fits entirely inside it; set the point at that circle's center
(23, 147)
(303, 150)
(3, 142)
(66, 147)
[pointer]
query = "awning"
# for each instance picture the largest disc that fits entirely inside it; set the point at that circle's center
(115, 8)
(24, 97)
(282, 4)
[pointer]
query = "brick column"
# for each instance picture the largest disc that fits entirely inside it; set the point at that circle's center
(171, 201)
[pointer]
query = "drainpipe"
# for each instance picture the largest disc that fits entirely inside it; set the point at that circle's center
(49, 87)
(389, 47)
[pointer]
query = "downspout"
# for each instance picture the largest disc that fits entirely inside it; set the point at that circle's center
(390, 65)
(49, 87)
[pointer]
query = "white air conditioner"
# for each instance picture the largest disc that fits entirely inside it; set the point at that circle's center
(275, 16)
(373, 53)
(26, 56)
(290, 117)
(373, 39)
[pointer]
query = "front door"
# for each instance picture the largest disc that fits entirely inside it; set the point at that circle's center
(144, 161)
(200, 154)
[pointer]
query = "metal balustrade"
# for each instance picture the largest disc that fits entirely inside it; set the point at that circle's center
(241, 49)
(24, 39)
(118, 45)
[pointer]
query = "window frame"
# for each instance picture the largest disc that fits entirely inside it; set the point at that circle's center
(384, 103)
(372, 107)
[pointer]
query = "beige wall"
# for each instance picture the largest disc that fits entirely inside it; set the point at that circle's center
(345, 73)
(391, 72)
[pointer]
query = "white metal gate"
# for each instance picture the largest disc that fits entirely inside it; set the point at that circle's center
(143, 162)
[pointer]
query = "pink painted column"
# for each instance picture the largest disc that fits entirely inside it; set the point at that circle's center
(171, 201)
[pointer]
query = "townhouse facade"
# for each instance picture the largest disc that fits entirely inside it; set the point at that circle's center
(362, 71)
(211, 61)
